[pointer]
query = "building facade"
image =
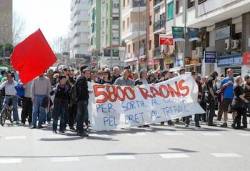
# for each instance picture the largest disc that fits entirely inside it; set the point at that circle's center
(110, 33)
(133, 32)
(79, 44)
(95, 27)
(223, 29)
(6, 21)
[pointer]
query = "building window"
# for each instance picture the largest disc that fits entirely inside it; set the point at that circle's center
(123, 25)
(128, 48)
(191, 3)
(177, 7)
(150, 20)
(150, 44)
(127, 22)
(170, 11)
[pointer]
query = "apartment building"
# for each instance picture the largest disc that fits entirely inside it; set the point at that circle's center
(6, 21)
(224, 28)
(95, 27)
(133, 32)
(110, 33)
(79, 31)
(159, 24)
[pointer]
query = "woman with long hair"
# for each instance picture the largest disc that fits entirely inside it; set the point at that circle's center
(239, 102)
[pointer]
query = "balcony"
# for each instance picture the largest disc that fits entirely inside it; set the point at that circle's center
(134, 6)
(134, 31)
(157, 53)
(130, 57)
(159, 25)
(210, 12)
(157, 2)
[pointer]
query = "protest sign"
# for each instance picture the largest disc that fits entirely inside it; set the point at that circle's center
(112, 107)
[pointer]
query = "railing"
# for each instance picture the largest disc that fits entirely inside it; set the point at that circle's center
(159, 24)
(157, 2)
(139, 3)
(135, 4)
(137, 27)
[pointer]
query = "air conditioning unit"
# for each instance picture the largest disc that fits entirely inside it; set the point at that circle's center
(235, 44)
(227, 44)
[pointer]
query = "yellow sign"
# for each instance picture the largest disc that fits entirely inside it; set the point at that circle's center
(168, 60)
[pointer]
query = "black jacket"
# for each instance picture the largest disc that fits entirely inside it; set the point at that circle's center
(62, 93)
(82, 93)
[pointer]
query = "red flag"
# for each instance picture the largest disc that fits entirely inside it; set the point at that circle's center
(32, 57)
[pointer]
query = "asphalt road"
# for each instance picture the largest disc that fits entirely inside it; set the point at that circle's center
(158, 148)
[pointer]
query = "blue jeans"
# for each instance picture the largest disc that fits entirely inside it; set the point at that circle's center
(14, 104)
(38, 111)
(60, 111)
(82, 115)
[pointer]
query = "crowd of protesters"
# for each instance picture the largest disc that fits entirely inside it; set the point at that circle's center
(62, 96)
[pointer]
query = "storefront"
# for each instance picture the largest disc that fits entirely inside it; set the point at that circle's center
(233, 61)
(193, 65)
(246, 64)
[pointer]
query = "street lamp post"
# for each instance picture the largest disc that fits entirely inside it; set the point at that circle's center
(185, 32)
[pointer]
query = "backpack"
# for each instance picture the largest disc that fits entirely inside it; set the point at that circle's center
(73, 95)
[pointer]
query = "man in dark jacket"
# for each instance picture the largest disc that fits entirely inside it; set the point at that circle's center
(211, 97)
(82, 97)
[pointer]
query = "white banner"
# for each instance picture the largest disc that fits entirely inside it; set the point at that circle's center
(112, 107)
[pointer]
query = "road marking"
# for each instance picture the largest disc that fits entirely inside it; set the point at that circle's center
(100, 135)
(64, 159)
(15, 138)
(136, 134)
(173, 133)
(244, 134)
(174, 155)
(10, 160)
(221, 155)
(210, 134)
(120, 157)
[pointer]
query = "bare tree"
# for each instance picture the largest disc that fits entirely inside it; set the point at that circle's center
(61, 44)
(18, 28)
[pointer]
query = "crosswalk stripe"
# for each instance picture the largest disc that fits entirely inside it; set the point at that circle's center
(64, 159)
(174, 155)
(10, 160)
(15, 138)
(221, 155)
(100, 135)
(244, 134)
(210, 134)
(136, 134)
(120, 157)
(173, 133)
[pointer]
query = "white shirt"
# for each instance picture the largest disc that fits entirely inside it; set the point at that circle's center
(9, 88)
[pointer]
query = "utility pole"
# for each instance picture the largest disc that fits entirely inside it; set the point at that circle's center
(139, 34)
(185, 32)
(111, 33)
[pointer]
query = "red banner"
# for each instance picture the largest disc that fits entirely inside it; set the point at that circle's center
(165, 40)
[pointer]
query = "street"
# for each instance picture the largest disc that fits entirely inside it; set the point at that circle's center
(139, 149)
